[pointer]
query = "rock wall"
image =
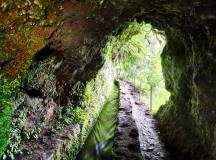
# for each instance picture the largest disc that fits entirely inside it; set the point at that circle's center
(187, 120)
(66, 38)
(48, 126)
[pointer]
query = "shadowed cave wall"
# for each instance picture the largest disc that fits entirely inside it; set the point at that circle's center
(67, 40)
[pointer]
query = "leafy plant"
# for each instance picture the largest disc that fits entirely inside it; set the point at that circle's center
(73, 115)
(7, 89)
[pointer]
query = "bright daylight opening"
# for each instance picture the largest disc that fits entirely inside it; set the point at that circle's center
(136, 57)
(133, 57)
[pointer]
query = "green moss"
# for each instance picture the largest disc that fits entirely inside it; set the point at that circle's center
(23, 34)
(88, 90)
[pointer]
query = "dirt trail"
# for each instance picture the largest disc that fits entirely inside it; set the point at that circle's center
(136, 131)
(126, 142)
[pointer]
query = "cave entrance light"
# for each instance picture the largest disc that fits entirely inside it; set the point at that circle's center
(136, 58)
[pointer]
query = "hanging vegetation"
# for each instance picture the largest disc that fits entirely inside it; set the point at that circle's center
(136, 55)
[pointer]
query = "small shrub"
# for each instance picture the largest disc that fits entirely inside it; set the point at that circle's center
(7, 89)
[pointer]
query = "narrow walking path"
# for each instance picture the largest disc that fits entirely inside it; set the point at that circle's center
(136, 135)
(126, 142)
(151, 146)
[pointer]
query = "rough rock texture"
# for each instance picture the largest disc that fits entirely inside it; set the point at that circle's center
(187, 121)
(50, 146)
(74, 32)
(25, 28)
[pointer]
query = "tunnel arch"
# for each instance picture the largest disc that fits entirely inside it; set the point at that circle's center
(186, 50)
(187, 121)
(185, 57)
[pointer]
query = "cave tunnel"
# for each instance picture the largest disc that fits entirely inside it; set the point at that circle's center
(133, 56)
(55, 77)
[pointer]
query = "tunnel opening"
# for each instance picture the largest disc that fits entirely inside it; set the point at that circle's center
(75, 31)
(135, 57)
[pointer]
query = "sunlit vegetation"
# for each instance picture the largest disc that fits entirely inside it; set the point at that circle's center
(136, 56)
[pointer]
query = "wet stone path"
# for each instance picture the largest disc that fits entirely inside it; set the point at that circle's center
(126, 142)
(136, 135)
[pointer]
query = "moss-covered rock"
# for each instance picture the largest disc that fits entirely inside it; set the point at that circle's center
(62, 118)
(187, 120)
(25, 28)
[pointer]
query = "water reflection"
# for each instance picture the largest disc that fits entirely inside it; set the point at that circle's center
(98, 145)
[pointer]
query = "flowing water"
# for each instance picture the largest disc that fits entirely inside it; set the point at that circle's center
(136, 136)
(98, 145)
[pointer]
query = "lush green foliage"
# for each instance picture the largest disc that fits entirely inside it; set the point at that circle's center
(136, 55)
(68, 115)
(7, 89)
(84, 108)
